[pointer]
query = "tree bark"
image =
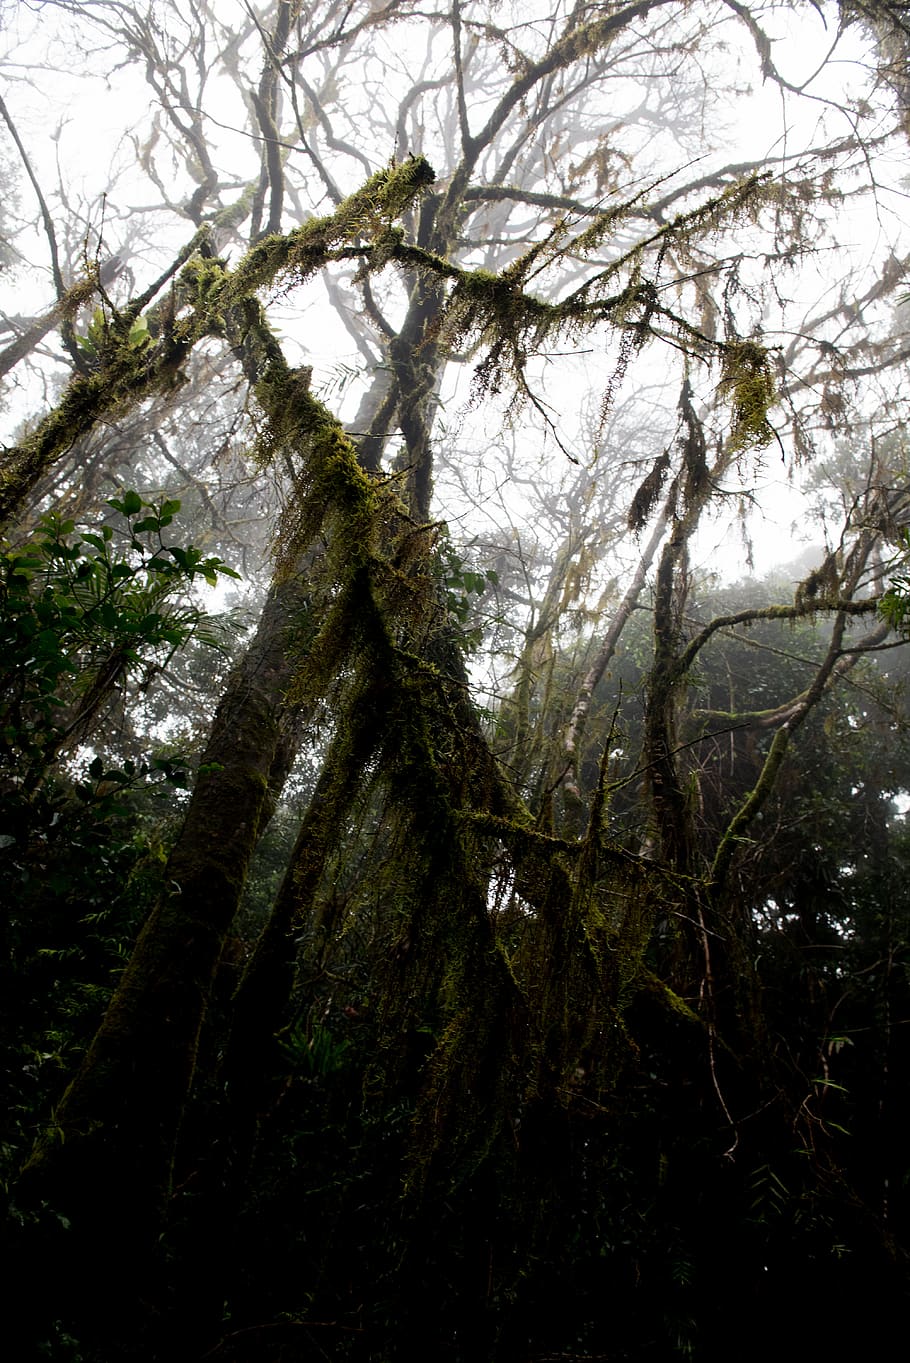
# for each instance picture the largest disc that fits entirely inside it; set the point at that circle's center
(106, 1161)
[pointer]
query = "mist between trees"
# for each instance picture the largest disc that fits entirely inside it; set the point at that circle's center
(478, 929)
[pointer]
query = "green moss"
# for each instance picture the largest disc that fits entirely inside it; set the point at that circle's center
(748, 385)
(650, 984)
(367, 213)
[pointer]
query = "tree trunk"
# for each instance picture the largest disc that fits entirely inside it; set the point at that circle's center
(106, 1162)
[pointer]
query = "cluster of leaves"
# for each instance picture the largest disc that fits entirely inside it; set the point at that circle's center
(81, 848)
(463, 586)
(80, 612)
(895, 603)
(97, 338)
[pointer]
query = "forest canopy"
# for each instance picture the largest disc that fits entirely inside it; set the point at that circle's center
(453, 721)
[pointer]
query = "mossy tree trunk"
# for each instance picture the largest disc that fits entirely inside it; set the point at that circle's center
(106, 1162)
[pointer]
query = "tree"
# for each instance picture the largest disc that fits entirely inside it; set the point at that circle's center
(508, 941)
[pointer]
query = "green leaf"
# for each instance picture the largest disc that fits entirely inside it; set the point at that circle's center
(139, 334)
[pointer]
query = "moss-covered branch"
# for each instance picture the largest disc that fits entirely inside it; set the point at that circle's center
(128, 370)
(791, 611)
(74, 298)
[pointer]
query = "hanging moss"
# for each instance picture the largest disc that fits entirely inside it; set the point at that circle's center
(367, 213)
(127, 377)
(209, 295)
(748, 385)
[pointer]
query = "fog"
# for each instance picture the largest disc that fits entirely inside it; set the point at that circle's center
(453, 721)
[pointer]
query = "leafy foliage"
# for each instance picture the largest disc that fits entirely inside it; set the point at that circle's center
(82, 612)
(463, 585)
(895, 602)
